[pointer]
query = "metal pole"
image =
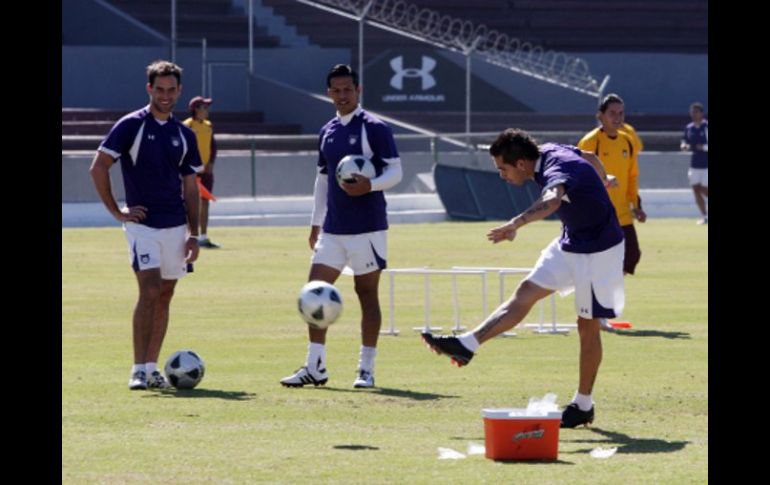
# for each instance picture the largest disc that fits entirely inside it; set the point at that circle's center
(251, 37)
(209, 82)
(468, 98)
(364, 12)
(253, 169)
(203, 67)
(468, 53)
(173, 31)
(361, 58)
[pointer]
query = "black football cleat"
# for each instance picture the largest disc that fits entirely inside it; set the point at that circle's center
(448, 345)
(573, 416)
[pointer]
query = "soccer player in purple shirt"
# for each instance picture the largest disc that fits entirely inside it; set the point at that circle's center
(159, 159)
(586, 258)
(354, 221)
(696, 140)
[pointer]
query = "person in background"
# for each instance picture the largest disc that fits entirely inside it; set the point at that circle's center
(199, 123)
(618, 152)
(159, 160)
(587, 257)
(696, 140)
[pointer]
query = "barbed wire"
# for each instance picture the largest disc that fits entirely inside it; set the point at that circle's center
(466, 37)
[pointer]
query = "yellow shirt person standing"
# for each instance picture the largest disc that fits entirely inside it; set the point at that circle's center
(616, 149)
(204, 133)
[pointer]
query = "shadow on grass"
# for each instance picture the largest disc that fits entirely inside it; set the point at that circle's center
(652, 333)
(533, 462)
(355, 447)
(627, 444)
(204, 393)
(387, 391)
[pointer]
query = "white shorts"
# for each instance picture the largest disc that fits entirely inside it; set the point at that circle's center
(364, 253)
(150, 248)
(698, 176)
(596, 278)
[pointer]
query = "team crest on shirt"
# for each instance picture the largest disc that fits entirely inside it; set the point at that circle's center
(144, 258)
(175, 141)
(353, 139)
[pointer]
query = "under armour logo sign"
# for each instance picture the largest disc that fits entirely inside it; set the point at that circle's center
(150, 137)
(144, 258)
(397, 64)
(584, 310)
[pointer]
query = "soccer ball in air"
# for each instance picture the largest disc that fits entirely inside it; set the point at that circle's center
(319, 303)
(185, 369)
(354, 164)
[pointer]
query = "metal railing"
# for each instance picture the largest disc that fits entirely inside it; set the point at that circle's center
(465, 37)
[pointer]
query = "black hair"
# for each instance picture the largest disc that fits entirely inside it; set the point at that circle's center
(608, 100)
(514, 144)
(162, 68)
(341, 70)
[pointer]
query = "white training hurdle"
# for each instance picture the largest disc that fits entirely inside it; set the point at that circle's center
(480, 271)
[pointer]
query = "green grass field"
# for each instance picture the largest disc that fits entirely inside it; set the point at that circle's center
(238, 311)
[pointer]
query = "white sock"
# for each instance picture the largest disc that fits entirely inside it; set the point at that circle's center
(469, 341)
(316, 356)
(584, 401)
(366, 358)
(137, 367)
(202, 237)
(151, 367)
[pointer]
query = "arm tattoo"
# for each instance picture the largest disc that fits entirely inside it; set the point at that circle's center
(490, 324)
(542, 206)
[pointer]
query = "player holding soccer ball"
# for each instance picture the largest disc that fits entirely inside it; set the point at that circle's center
(353, 218)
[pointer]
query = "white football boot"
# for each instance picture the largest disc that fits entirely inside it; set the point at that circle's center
(304, 376)
(364, 379)
(138, 381)
(157, 381)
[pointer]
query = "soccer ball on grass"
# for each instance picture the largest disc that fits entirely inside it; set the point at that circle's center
(185, 369)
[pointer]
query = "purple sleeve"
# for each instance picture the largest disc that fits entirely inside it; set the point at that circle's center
(382, 142)
(321, 160)
(120, 137)
(191, 163)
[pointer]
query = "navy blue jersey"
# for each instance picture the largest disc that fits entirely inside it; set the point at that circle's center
(698, 135)
(589, 223)
(153, 159)
(363, 135)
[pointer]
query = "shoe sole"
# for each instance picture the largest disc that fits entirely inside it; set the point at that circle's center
(300, 384)
(454, 360)
(585, 425)
(138, 388)
(363, 386)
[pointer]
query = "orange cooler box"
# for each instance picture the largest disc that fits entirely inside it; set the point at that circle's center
(521, 437)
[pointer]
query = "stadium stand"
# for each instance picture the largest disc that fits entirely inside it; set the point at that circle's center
(76, 121)
(217, 20)
(562, 25)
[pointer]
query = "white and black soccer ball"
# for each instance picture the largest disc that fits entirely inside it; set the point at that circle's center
(185, 369)
(351, 164)
(319, 303)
